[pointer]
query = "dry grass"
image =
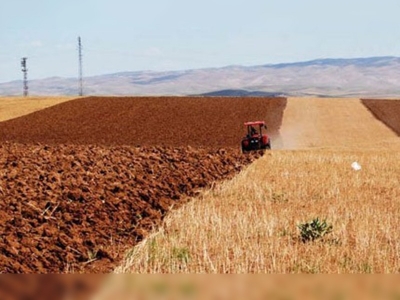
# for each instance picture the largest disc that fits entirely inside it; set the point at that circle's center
(13, 107)
(249, 224)
(333, 123)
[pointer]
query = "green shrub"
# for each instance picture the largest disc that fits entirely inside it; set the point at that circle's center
(313, 230)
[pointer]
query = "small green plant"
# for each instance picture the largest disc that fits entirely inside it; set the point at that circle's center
(181, 254)
(313, 230)
(278, 197)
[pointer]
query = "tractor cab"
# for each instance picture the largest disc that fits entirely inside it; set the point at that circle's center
(255, 138)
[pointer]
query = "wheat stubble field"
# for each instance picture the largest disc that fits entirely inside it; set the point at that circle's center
(13, 107)
(84, 181)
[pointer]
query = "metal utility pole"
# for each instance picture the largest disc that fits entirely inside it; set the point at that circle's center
(80, 67)
(25, 71)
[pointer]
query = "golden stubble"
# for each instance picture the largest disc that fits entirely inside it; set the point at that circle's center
(13, 107)
(249, 224)
(334, 123)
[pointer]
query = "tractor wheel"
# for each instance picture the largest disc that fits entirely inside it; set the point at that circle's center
(268, 146)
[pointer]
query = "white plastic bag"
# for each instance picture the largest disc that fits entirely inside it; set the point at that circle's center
(356, 166)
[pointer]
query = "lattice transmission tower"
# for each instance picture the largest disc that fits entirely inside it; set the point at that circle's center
(25, 71)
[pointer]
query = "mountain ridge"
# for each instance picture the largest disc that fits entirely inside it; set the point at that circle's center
(329, 77)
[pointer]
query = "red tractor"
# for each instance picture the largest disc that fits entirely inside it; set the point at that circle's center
(255, 139)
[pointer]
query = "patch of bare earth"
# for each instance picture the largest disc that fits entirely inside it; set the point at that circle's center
(75, 208)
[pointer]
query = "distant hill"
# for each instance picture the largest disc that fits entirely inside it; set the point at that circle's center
(356, 77)
(240, 93)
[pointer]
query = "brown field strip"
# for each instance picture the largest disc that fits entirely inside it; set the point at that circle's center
(387, 111)
(169, 121)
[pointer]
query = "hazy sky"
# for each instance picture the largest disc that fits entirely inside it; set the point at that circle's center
(132, 35)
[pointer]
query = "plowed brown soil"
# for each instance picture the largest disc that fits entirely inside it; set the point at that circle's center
(74, 208)
(171, 121)
(75, 191)
(387, 111)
